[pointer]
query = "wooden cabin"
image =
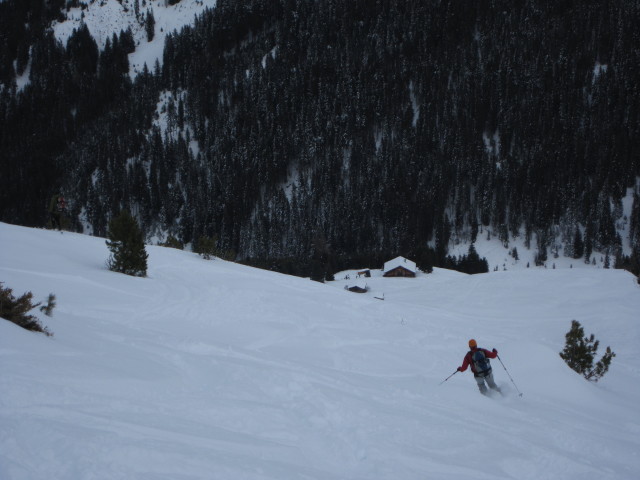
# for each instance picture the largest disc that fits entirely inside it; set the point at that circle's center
(400, 267)
(357, 289)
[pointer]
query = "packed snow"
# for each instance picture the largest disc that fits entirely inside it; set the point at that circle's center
(213, 370)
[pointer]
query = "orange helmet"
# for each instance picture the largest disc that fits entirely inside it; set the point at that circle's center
(473, 343)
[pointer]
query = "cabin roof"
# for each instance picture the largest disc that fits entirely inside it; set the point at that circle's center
(400, 262)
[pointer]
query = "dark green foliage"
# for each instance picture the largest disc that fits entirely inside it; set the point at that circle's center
(150, 25)
(206, 247)
(588, 244)
(323, 262)
(172, 242)
(602, 366)
(425, 259)
(317, 272)
(470, 263)
(229, 254)
(127, 43)
(630, 263)
(330, 116)
(578, 244)
(51, 304)
(17, 310)
(580, 351)
(126, 243)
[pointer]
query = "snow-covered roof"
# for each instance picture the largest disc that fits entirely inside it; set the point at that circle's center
(400, 262)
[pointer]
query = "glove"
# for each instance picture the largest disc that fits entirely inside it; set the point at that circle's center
(459, 369)
(494, 350)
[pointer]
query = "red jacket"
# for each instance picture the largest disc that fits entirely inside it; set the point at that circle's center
(468, 362)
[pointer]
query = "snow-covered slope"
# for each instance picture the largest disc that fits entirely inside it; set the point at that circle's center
(500, 255)
(106, 17)
(212, 370)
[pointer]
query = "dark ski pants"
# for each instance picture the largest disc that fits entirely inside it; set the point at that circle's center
(488, 377)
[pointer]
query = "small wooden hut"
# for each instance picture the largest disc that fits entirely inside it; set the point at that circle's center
(357, 289)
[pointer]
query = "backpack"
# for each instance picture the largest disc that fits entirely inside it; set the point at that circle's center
(480, 361)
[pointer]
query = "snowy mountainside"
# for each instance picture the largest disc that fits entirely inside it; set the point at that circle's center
(500, 255)
(106, 17)
(213, 370)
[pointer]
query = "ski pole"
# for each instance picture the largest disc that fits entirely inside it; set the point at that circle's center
(514, 383)
(448, 378)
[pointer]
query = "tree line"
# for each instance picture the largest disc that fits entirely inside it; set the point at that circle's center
(311, 135)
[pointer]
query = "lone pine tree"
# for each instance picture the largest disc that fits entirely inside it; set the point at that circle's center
(580, 351)
(126, 243)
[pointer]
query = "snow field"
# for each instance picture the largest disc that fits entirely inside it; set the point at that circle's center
(213, 370)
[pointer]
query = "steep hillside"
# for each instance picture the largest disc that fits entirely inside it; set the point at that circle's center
(149, 22)
(213, 370)
(316, 135)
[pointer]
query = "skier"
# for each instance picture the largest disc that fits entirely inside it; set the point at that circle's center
(478, 359)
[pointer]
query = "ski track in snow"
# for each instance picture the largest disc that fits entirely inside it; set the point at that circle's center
(209, 369)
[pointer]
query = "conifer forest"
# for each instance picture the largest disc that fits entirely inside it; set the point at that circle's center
(309, 135)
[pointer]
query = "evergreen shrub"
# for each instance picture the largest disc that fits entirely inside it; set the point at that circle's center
(206, 247)
(51, 304)
(126, 243)
(172, 242)
(16, 310)
(580, 351)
